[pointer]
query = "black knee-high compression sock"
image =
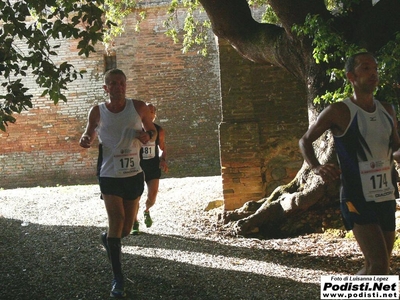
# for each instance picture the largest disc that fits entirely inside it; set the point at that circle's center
(115, 255)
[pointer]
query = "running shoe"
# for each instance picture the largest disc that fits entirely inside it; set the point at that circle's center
(147, 219)
(117, 289)
(135, 228)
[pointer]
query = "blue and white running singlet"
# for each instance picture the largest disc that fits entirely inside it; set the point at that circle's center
(364, 152)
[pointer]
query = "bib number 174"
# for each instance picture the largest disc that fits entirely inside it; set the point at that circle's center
(379, 181)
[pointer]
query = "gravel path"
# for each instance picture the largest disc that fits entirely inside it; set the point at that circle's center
(49, 247)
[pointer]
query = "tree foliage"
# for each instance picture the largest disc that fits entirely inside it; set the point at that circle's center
(330, 47)
(45, 24)
(42, 25)
(115, 13)
(330, 43)
(195, 30)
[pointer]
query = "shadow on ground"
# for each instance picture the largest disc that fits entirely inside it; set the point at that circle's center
(65, 262)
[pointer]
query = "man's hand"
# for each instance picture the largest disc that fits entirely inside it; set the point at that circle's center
(143, 137)
(163, 165)
(85, 141)
(328, 172)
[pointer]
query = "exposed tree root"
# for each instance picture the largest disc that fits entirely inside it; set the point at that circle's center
(304, 195)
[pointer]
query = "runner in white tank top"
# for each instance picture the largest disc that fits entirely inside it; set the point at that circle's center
(117, 134)
(118, 123)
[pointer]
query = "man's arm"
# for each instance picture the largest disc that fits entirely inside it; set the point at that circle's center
(90, 132)
(325, 121)
(396, 139)
(150, 133)
(161, 139)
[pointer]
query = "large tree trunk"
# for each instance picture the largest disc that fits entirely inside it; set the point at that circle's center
(288, 209)
(304, 205)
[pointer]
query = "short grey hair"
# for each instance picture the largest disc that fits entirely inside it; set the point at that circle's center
(351, 61)
(113, 72)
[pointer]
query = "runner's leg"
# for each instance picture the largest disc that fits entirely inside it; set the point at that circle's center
(372, 243)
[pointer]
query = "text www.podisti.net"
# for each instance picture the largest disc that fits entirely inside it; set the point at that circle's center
(360, 287)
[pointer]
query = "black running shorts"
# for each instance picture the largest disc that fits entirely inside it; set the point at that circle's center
(128, 188)
(382, 213)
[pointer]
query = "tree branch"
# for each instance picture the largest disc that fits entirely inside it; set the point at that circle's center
(291, 12)
(262, 43)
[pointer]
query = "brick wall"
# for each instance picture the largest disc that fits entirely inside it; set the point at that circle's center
(264, 113)
(41, 148)
(184, 87)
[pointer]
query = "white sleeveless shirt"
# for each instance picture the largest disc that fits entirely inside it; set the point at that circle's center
(365, 154)
(120, 148)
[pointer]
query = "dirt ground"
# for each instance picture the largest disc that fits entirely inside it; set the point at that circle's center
(50, 249)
